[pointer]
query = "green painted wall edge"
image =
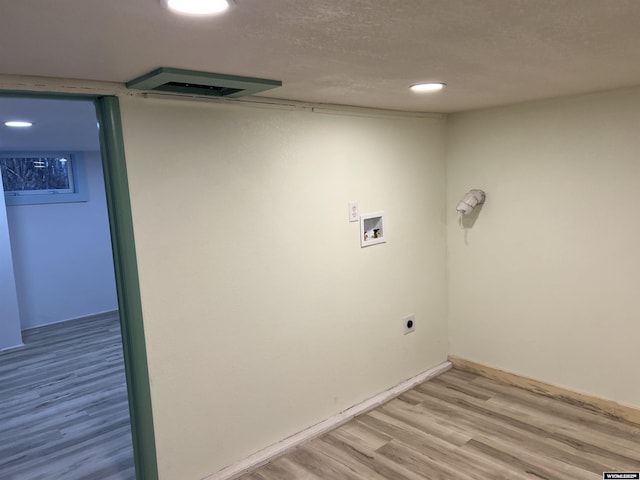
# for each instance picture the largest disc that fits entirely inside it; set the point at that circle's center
(126, 272)
(127, 283)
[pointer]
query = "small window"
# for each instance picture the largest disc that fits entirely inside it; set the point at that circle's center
(31, 178)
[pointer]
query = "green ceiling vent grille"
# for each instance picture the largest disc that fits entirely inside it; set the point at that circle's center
(201, 83)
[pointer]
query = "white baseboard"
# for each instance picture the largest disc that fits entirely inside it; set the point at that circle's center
(89, 316)
(278, 449)
(11, 347)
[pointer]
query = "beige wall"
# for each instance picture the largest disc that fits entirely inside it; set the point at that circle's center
(545, 283)
(262, 313)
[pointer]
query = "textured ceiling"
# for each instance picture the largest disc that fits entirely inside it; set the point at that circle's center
(349, 52)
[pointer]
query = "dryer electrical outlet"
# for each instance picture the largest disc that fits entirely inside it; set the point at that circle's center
(409, 324)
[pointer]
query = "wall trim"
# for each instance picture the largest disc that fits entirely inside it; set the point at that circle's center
(281, 448)
(32, 85)
(12, 347)
(128, 287)
(108, 313)
(599, 405)
(294, 105)
(89, 316)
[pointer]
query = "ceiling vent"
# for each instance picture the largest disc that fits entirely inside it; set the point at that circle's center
(189, 82)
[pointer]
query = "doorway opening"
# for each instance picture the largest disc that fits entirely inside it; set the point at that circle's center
(75, 390)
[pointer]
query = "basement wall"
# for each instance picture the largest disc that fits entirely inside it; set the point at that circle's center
(263, 315)
(543, 281)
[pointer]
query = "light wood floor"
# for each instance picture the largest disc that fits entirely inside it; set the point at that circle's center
(63, 404)
(462, 426)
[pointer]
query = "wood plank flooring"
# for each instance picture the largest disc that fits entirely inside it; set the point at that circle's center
(63, 404)
(463, 426)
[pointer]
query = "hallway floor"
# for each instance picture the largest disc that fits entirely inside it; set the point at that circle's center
(63, 404)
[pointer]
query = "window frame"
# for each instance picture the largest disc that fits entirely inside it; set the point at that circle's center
(78, 179)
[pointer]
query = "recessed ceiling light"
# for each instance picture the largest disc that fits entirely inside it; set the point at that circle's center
(428, 87)
(19, 124)
(198, 7)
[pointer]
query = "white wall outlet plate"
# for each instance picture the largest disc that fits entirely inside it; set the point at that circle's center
(354, 215)
(409, 324)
